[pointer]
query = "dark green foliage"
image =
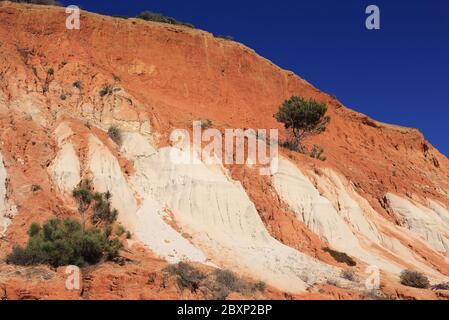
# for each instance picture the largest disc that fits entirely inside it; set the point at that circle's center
(158, 17)
(42, 2)
(83, 195)
(187, 276)
(414, 279)
(60, 243)
(115, 134)
(341, 257)
(35, 228)
(317, 152)
(225, 37)
(77, 84)
(206, 124)
(302, 118)
(120, 230)
(106, 89)
(103, 213)
(50, 71)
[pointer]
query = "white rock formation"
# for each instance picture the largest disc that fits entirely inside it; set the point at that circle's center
(65, 169)
(429, 223)
(145, 221)
(4, 218)
(216, 212)
(336, 216)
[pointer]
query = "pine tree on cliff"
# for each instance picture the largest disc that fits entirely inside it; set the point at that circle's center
(301, 118)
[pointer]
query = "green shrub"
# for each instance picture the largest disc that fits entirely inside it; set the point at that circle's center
(120, 230)
(317, 152)
(102, 210)
(302, 118)
(158, 17)
(414, 279)
(225, 37)
(77, 84)
(115, 134)
(50, 71)
(63, 242)
(106, 89)
(35, 228)
(341, 257)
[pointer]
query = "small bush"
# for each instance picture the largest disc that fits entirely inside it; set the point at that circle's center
(317, 152)
(50, 71)
(225, 37)
(77, 84)
(158, 17)
(60, 243)
(414, 279)
(290, 144)
(187, 276)
(225, 281)
(41, 2)
(36, 188)
(115, 134)
(348, 275)
(441, 286)
(106, 89)
(341, 257)
(120, 230)
(206, 124)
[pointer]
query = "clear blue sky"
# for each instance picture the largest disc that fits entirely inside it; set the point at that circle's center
(399, 74)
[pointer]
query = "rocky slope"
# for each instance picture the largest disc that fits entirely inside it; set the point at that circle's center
(382, 195)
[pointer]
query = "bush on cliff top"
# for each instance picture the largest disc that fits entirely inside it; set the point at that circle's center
(158, 17)
(42, 2)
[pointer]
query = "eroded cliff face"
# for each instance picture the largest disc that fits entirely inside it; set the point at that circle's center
(382, 195)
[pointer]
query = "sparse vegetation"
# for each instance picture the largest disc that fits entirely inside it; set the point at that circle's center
(50, 71)
(187, 276)
(206, 124)
(106, 89)
(441, 286)
(216, 285)
(317, 152)
(36, 188)
(225, 37)
(83, 196)
(42, 2)
(103, 213)
(348, 275)
(77, 84)
(115, 134)
(302, 118)
(414, 279)
(341, 257)
(158, 17)
(60, 243)
(63, 97)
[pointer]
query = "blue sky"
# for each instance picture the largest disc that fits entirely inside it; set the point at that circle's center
(399, 74)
